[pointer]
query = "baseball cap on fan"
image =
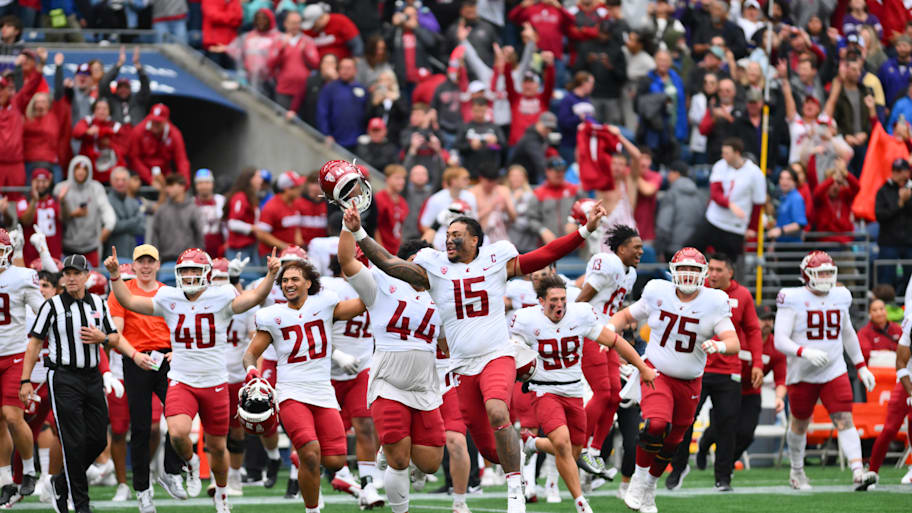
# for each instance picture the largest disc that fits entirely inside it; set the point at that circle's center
(160, 113)
(145, 250)
(289, 179)
(310, 16)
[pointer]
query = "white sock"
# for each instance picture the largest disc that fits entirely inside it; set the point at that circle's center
(551, 469)
(850, 443)
(796, 445)
(458, 498)
(293, 474)
(651, 480)
(6, 475)
(640, 472)
(530, 443)
(311, 510)
(273, 454)
(232, 472)
(44, 457)
(514, 480)
(528, 470)
(397, 489)
(366, 469)
(28, 466)
(219, 490)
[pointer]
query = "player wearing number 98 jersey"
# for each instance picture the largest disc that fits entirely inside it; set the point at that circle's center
(812, 329)
(683, 317)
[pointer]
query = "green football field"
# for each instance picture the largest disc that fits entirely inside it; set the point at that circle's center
(757, 490)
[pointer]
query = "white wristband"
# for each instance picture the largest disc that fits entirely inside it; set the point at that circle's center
(251, 368)
(902, 373)
(360, 234)
(584, 232)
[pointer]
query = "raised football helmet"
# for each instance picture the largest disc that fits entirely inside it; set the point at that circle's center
(457, 208)
(813, 267)
(38, 266)
(258, 411)
(346, 184)
(126, 272)
(97, 283)
(6, 249)
(688, 281)
(579, 212)
(193, 258)
(293, 252)
(526, 359)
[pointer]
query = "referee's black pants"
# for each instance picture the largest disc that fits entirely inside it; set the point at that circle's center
(725, 242)
(140, 386)
(81, 415)
(726, 401)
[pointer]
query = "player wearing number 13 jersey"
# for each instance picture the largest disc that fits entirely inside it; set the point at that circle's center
(812, 329)
(683, 317)
(197, 315)
(467, 282)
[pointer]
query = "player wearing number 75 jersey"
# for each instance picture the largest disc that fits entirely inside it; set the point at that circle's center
(683, 317)
(812, 329)
(197, 314)
(467, 282)
(301, 331)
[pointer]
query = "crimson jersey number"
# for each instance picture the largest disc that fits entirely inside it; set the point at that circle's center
(5, 317)
(299, 332)
(559, 355)
(618, 295)
(823, 324)
(358, 329)
(462, 291)
(182, 333)
(688, 338)
(399, 324)
(233, 337)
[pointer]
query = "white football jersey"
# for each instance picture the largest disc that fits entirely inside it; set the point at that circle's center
(448, 378)
(320, 252)
(818, 322)
(678, 328)
(199, 332)
(18, 289)
(275, 297)
(401, 318)
(904, 339)
(612, 280)
(353, 336)
(559, 346)
(239, 328)
(303, 341)
(470, 299)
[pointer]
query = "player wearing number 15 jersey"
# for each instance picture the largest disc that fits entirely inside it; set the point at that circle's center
(467, 282)
(197, 315)
(812, 329)
(301, 331)
(683, 317)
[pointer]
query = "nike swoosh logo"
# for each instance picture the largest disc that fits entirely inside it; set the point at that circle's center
(694, 397)
(17, 360)
(219, 389)
(485, 269)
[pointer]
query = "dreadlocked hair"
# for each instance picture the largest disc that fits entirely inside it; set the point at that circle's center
(619, 234)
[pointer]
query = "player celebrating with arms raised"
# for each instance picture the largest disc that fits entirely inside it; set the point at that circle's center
(682, 316)
(467, 282)
(812, 329)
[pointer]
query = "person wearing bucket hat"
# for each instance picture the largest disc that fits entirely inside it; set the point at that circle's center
(157, 147)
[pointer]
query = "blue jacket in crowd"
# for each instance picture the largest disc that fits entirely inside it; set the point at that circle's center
(340, 111)
(903, 106)
(894, 77)
(791, 210)
(567, 121)
(656, 85)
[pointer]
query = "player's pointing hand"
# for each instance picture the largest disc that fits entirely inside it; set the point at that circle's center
(595, 215)
(272, 263)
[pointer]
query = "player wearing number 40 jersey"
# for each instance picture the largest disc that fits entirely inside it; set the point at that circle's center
(197, 315)
(812, 329)
(467, 282)
(683, 317)
(301, 331)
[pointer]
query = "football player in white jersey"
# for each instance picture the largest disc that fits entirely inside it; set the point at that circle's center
(467, 282)
(404, 390)
(197, 315)
(609, 277)
(240, 331)
(683, 317)
(301, 330)
(555, 330)
(813, 327)
(18, 291)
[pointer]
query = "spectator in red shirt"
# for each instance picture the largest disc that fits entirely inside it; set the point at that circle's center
(221, 21)
(279, 225)
(332, 32)
(157, 147)
(241, 213)
(12, 107)
(46, 124)
(392, 209)
(102, 140)
(527, 106)
(312, 209)
(879, 334)
(30, 66)
(550, 20)
(833, 204)
(648, 183)
(291, 64)
(41, 211)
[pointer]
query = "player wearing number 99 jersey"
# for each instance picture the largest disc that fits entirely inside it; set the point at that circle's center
(683, 317)
(301, 332)
(812, 329)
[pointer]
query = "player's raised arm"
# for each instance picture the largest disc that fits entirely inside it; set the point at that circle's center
(348, 309)
(557, 248)
(138, 304)
(346, 254)
(396, 267)
(250, 298)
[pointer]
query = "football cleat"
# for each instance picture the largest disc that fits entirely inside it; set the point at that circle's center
(864, 479)
(122, 493)
(194, 485)
(144, 498)
(272, 472)
(344, 482)
(591, 462)
(636, 490)
(292, 489)
(28, 485)
(799, 480)
(369, 498)
(907, 479)
(173, 484)
(622, 490)
(676, 478)
(649, 500)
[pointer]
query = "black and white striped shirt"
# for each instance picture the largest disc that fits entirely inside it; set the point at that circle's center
(59, 320)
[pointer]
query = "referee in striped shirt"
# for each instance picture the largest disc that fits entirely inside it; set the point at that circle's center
(75, 322)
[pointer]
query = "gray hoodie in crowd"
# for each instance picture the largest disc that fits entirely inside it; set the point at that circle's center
(131, 223)
(83, 234)
(681, 210)
(176, 227)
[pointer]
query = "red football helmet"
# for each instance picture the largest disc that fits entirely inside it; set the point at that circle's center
(579, 212)
(818, 271)
(258, 411)
(457, 208)
(6, 249)
(526, 359)
(32, 407)
(193, 258)
(220, 269)
(346, 184)
(97, 284)
(293, 252)
(38, 266)
(688, 282)
(126, 271)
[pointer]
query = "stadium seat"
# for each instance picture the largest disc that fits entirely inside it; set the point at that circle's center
(776, 430)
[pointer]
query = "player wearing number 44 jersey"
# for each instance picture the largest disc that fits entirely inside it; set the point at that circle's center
(197, 315)
(683, 317)
(301, 331)
(467, 282)
(812, 329)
